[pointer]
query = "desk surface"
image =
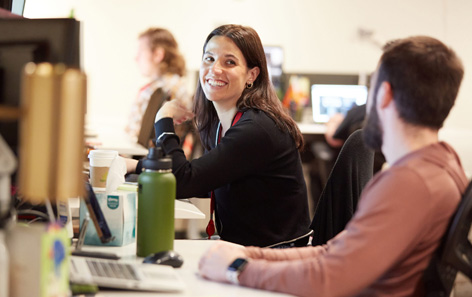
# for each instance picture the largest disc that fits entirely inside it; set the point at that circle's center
(191, 251)
(112, 138)
(184, 209)
(312, 128)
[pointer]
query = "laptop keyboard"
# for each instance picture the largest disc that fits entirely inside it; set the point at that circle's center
(111, 269)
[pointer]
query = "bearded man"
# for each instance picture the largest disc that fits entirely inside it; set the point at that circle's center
(403, 211)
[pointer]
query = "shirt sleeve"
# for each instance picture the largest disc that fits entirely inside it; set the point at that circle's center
(354, 118)
(385, 228)
(240, 153)
(285, 254)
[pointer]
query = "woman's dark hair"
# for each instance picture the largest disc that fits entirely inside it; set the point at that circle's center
(173, 61)
(261, 96)
(425, 76)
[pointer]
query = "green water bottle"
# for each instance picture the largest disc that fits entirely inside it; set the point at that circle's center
(156, 200)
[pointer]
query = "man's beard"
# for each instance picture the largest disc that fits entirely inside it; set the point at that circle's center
(372, 131)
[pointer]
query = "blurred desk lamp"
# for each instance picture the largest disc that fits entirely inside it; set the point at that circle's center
(53, 99)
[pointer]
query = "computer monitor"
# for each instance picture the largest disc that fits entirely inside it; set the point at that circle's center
(275, 57)
(16, 7)
(330, 99)
(31, 40)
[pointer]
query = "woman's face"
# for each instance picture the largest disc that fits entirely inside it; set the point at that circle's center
(223, 72)
(145, 58)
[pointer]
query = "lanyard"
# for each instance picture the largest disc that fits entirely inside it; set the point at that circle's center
(210, 229)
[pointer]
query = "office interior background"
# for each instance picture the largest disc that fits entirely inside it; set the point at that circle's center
(317, 36)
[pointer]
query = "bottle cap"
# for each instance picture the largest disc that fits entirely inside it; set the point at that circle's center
(156, 160)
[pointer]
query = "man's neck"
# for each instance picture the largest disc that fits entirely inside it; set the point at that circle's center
(406, 139)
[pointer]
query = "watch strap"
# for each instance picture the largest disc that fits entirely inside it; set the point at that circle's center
(235, 269)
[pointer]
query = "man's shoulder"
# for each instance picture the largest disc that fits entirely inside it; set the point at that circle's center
(395, 180)
(432, 173)
(434, 163)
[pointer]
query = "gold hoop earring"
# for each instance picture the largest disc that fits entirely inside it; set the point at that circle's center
(249, 85)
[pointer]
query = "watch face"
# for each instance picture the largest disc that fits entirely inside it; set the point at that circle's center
(238, 264)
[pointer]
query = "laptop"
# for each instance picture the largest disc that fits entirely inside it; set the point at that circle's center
(330, 99)
(128, 275)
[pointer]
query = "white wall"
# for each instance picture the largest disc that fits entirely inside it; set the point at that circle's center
(317, 36)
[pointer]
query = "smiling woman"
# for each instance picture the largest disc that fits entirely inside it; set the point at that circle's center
(252, 167)
(224, 73)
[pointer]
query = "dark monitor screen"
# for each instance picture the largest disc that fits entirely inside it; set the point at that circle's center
(31, 40)
(15, 6)
(275, 57)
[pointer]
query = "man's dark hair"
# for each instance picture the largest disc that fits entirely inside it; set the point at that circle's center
(425, 76)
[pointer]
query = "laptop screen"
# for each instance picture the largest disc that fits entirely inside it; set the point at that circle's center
(330, 99)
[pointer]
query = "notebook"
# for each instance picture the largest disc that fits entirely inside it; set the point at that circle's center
(119, 274)
(330, 99)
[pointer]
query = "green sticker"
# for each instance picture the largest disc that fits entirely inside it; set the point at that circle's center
(113, 201)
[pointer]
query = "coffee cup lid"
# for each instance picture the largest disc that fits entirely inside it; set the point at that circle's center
(103, 154)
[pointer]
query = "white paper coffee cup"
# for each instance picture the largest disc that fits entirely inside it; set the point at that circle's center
(100, 161)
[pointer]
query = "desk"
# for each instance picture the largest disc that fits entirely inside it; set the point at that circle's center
(110, 138)
(312, 132)
(191, 251)
(184, 209)
(312, 128)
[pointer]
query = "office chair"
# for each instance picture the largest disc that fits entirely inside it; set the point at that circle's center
(338, 200)
(454, 253)
(146, 133)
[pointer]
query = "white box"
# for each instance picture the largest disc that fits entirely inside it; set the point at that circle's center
(119, 209)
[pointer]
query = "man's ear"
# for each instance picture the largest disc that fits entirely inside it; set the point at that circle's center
(385, 94)
(158, 55)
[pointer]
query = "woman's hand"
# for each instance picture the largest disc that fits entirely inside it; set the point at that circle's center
(214, 263)
(131, 165)
(175, 109)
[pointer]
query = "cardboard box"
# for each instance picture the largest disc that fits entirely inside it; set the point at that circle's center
(119, 209)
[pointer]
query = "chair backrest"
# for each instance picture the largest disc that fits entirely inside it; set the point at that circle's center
(454, 253)
(146, 133)
(338, 201)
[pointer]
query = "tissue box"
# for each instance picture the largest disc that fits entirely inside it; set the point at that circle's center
(39, 260)
(119, 209)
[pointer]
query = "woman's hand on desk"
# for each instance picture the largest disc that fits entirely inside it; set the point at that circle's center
(176, 109)
(214, 263)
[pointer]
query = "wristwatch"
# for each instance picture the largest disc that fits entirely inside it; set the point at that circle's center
(235, 269)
